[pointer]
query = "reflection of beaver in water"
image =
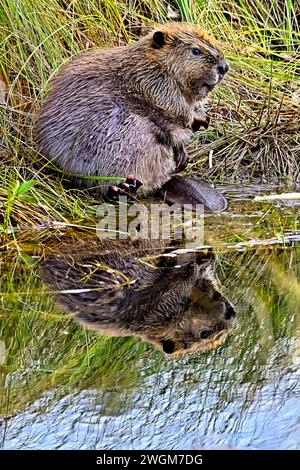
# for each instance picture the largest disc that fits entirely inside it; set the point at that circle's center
(130, 111)
(121, 291)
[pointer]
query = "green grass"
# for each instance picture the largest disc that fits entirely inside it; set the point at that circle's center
(254, 132)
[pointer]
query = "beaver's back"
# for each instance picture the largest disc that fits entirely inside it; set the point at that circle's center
(129, 110)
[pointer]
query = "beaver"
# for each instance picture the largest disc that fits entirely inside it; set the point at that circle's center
(129, 111)
(132, 288)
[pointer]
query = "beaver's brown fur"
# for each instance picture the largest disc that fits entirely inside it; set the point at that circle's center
(123, 288)
(130, 110)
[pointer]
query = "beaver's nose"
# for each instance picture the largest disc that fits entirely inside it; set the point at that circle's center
(222, 67)
(229, 312)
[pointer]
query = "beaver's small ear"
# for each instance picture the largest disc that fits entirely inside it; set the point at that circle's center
(168, 346)
(158, 39)
(203, 258)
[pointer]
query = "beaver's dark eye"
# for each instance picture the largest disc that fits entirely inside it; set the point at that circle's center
(204, 334)
(185, 344)
(168, 346)
(196, 51)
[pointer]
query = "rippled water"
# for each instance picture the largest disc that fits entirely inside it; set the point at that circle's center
(65, 388)
(179, 407)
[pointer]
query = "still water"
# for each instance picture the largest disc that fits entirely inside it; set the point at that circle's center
(64, 387)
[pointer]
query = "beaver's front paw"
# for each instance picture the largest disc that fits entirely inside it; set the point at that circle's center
(200, 121)
(126, 188)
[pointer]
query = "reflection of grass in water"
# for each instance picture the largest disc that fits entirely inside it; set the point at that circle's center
(267, 281)
(264, 286)
(46, 349)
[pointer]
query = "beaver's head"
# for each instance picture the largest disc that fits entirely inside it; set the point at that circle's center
(191, 56)
(202, 317)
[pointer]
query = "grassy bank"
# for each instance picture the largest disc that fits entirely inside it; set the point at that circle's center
(254, 130)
